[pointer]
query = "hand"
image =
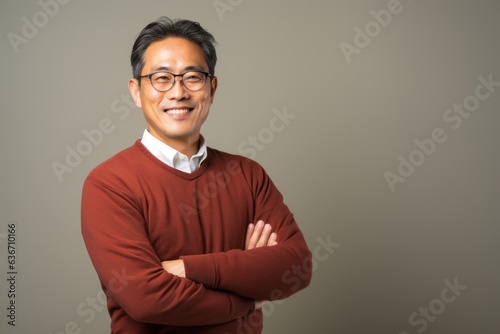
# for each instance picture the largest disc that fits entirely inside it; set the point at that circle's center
(259, 235)
(174, 267)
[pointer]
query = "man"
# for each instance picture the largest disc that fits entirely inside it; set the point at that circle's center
(175, 229)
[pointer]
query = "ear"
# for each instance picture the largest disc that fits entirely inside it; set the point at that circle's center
(135, 91)
(213, 88)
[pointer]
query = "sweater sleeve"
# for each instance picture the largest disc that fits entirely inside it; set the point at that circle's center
(265, 273)
(114, 232)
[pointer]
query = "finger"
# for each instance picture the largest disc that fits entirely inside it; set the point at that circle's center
(264, 237)
(250, 230)
(272, 240)
(255, 235)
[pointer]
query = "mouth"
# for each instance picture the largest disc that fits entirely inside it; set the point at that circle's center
(178, 110)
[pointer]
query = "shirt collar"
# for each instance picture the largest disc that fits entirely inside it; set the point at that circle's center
(172, 157)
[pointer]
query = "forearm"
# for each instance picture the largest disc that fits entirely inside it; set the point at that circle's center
(265, 273)
(164, 298)
(258, 235)
(169, 300)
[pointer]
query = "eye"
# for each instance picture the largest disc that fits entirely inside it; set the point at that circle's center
(194, 77)
(162, 77)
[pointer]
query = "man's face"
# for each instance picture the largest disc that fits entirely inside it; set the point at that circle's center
(175, 116)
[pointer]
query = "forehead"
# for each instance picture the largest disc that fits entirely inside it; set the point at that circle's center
(174, 54)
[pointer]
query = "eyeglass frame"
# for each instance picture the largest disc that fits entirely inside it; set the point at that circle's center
(150, 75)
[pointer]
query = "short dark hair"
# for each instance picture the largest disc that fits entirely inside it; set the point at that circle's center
(165, 27)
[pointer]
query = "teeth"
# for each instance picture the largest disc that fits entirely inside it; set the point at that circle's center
(177, 111)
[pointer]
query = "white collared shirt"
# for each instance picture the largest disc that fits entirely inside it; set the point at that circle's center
(172, 157)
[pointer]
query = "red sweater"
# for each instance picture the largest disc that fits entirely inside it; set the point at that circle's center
(138, 212)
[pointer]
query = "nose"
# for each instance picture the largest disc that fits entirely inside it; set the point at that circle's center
(178, 91)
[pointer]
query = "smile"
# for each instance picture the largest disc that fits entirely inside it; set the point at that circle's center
(178, 111)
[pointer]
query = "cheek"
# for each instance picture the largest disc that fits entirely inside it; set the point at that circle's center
(151, 99)
(207, 99)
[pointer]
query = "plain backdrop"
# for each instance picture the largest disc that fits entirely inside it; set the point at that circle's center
(379, 157)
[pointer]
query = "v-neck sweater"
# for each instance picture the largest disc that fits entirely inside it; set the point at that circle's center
(137, 212)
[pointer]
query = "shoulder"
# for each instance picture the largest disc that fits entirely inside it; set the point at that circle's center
(236, 164)
(218, 156)
(121, 165)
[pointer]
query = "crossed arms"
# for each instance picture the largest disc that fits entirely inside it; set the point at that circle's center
(258, 235)
(200, 289)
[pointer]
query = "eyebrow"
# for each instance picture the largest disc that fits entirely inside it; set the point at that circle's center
(186, 69)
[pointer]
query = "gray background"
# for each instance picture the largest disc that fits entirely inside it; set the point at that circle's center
(395, 249)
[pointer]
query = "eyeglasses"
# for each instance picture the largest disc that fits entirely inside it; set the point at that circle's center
(164, 81)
